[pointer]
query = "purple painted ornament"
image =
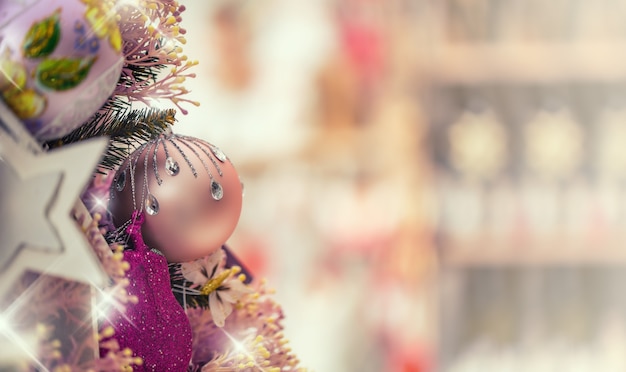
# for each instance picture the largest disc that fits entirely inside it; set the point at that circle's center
(60, 61)
(156, 328)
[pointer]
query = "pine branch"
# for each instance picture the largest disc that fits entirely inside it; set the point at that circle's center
(177, 280)
(138, 76)
(125, 128)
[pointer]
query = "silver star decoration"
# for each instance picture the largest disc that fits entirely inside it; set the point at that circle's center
(38, 192)
(24, 203)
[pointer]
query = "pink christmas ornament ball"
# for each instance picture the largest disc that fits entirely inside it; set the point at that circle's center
(60, 62)
(187, 189)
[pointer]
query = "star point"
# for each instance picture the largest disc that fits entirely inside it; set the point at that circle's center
(23, 221)
(38, 231)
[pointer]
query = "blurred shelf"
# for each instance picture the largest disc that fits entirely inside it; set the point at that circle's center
(550, 251)
(524, 62)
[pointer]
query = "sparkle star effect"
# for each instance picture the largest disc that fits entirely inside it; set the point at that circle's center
(106, 303)
(19, 345)
(240, 348)
(16, 346)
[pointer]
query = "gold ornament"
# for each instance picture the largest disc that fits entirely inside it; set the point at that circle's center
(478, 144)
(554, 143)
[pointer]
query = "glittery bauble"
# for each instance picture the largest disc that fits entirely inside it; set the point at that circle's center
(192, 198)
(60, 61)
(156, 327)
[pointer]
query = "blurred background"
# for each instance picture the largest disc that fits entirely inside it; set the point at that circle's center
(429, 185)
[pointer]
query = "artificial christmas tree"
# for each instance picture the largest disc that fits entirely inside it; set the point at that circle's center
(149, 286)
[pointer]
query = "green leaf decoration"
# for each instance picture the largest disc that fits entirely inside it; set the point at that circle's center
(64, 73)
(42, 37)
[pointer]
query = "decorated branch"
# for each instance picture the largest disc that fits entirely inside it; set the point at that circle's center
(161, 291)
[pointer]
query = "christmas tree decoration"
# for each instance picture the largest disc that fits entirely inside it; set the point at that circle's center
(208, 284)
(154, 66)
(176, 199)
(156, 327)
(553, 144)
(159, 292)
(60, 63)
(67, 254)
(29, 195)
(189, 191)
(478, 145)
(125, 128)
(252, 338)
